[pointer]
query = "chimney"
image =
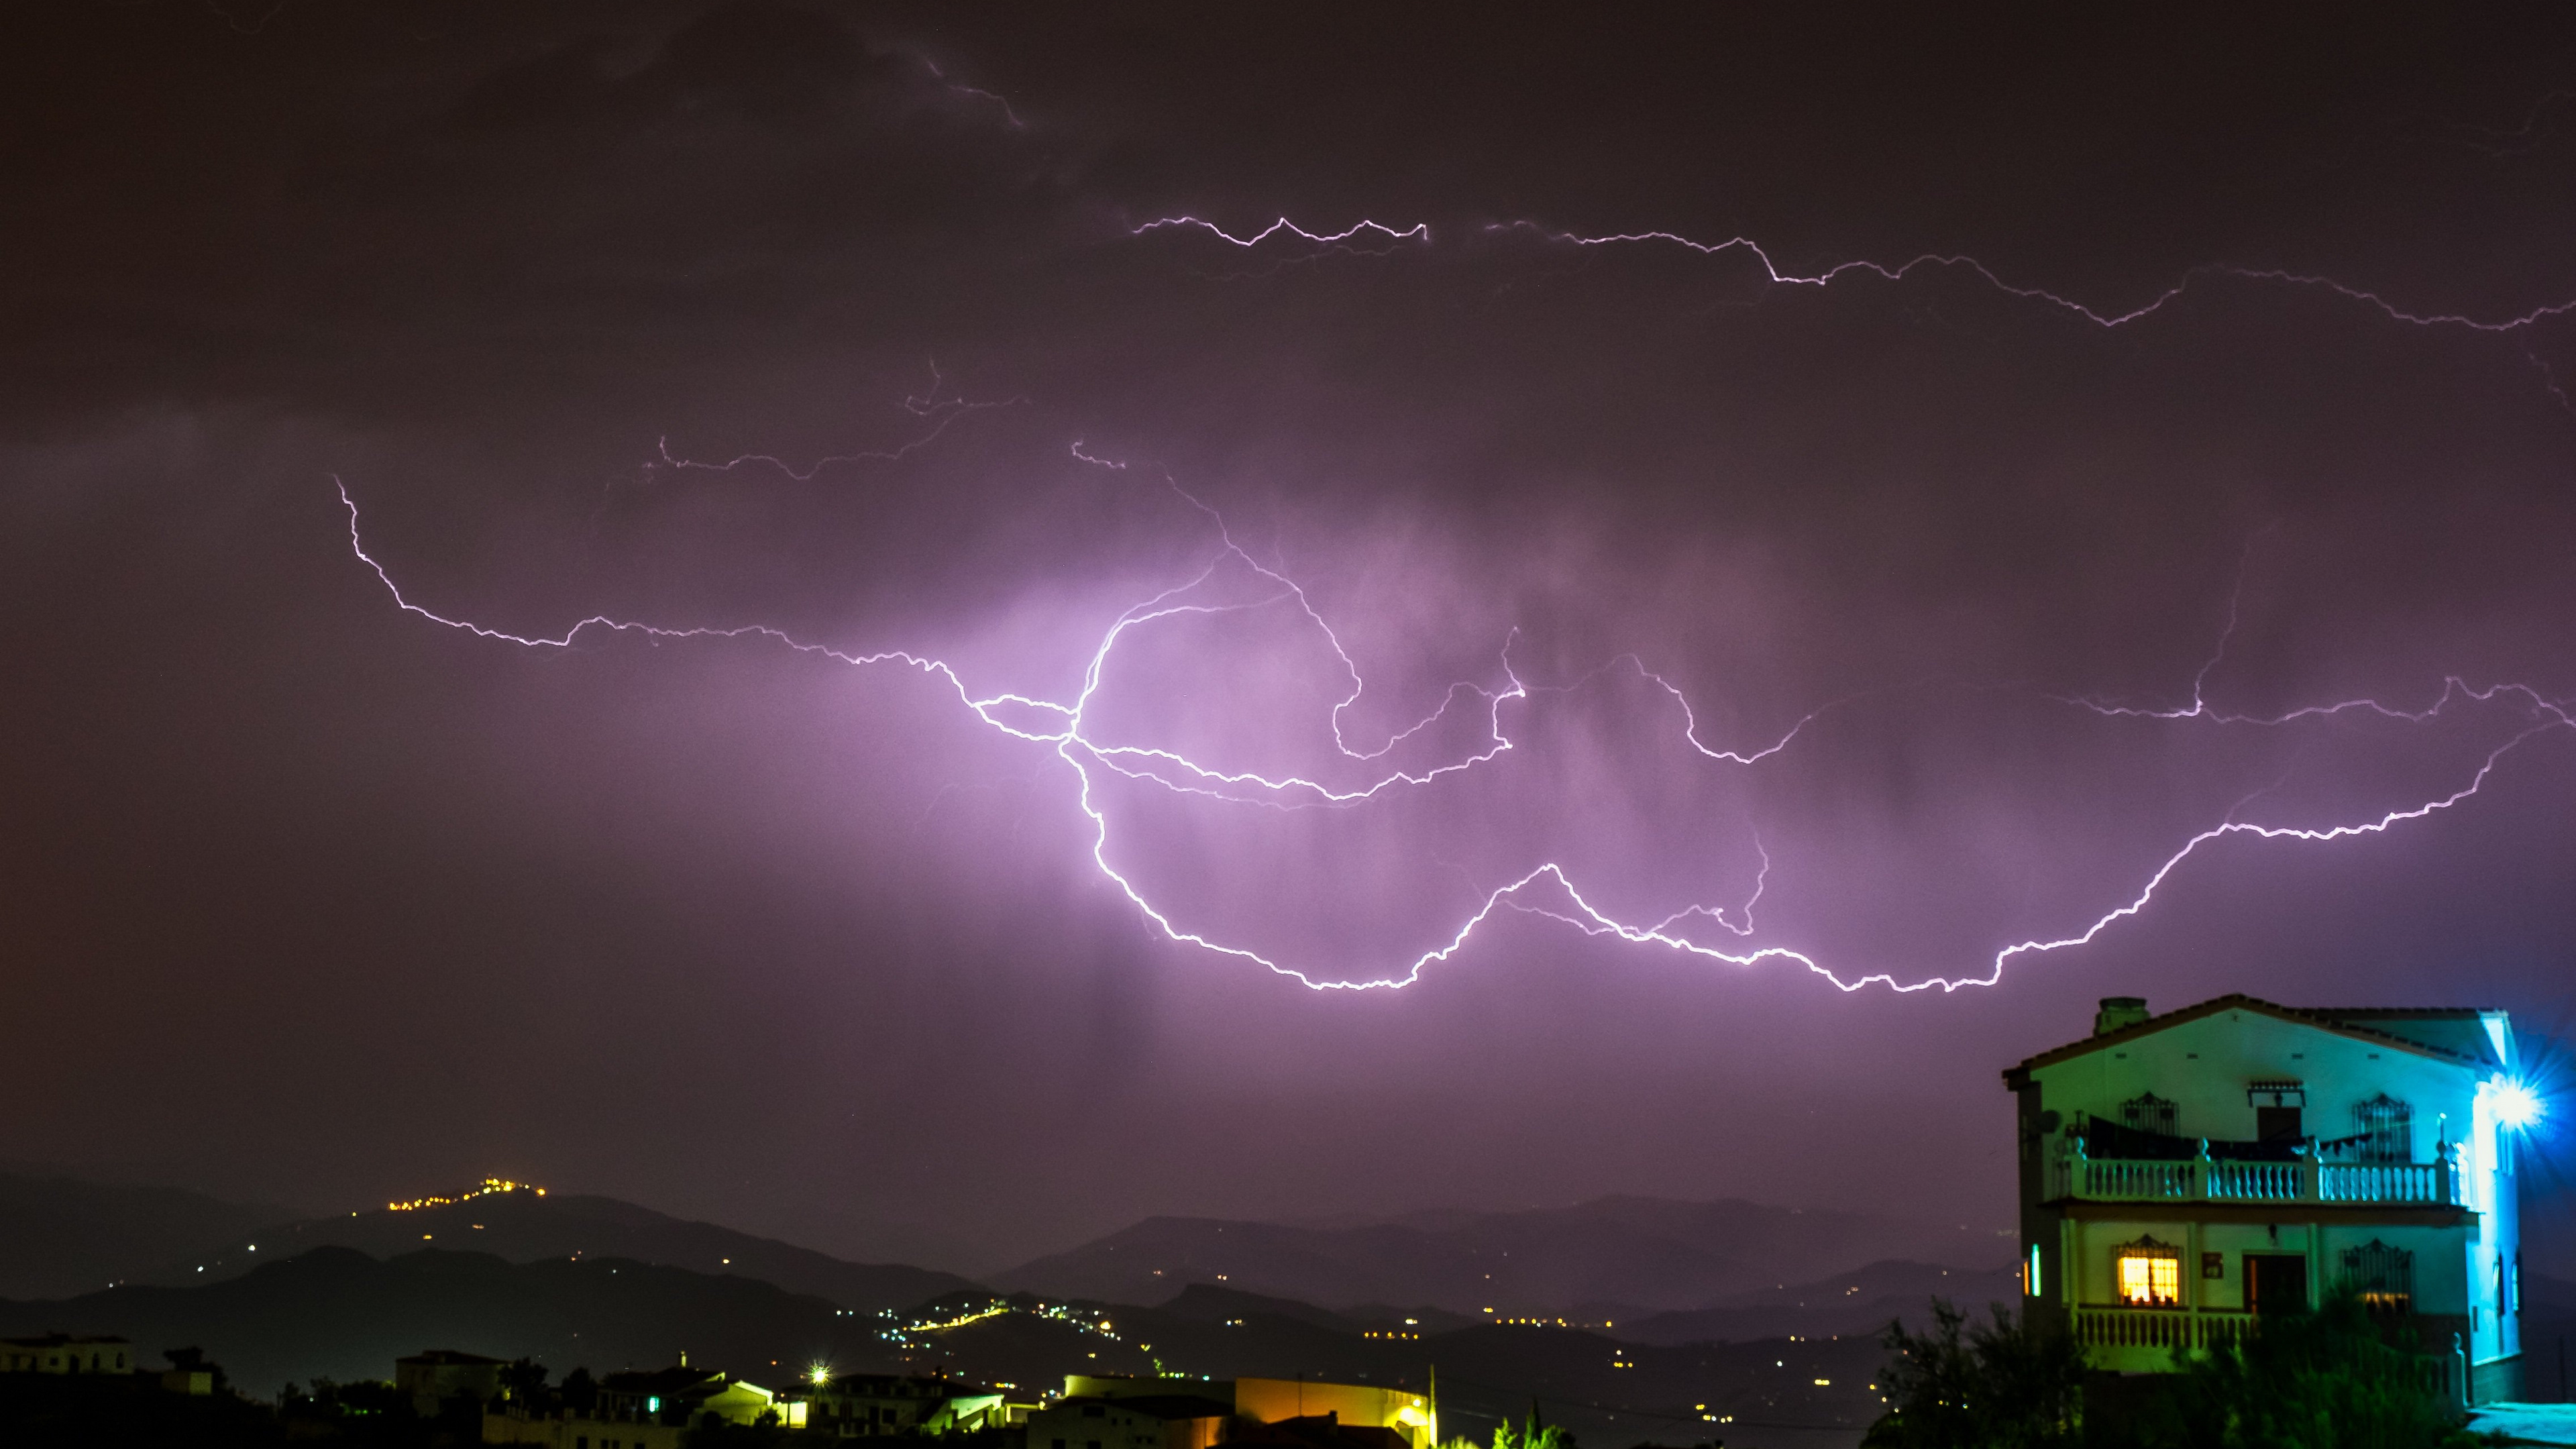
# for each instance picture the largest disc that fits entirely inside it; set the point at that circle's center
(2117, 1012)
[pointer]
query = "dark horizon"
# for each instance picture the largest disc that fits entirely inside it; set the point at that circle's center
(1903, 486)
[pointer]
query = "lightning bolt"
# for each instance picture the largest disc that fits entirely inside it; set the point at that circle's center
(1362, 239)
(1547, 890)
(934, 407)
(1010, 117)
(1886, 271)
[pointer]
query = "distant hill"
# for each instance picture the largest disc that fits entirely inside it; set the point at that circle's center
(59, 1237)
(525, 1227)
(1608, 1392)
(1594, 1260)
(1859, 1302)
(337, 1313)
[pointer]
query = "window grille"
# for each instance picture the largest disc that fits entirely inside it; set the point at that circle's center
(2149, 1113)
(2387, 1129)
(2149, 1273)
(2382, 1275)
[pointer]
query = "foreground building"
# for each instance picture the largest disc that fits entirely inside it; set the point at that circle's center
(434, 1376)
(66, 1353)
(1186, 1413)
(877, 1405)
(2181, 1174)
(1131, 1421)
(641, 1409)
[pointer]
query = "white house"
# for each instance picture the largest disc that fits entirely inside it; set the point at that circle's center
(2182, 1173)
(67, 1353)
(1143, 1421)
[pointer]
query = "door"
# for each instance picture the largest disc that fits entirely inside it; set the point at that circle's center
(2276, 1282)
(2278, 1124)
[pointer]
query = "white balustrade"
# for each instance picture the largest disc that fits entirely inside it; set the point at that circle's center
(2184, 1328)
(2205, 1179)
(2259, 1181)
(2410, 1182)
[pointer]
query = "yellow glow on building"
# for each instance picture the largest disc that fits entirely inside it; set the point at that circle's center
(2150, 1279)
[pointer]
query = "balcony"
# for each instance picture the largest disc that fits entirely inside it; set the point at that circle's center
(2204, 1179)
(2146, 1340)
(2194, 1329)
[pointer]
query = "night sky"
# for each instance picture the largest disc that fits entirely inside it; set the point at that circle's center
(2232, 387)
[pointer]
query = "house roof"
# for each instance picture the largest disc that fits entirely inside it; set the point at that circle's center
(904, 1386)
(2340, 1022)
(1164, 1406)
(2401, 1013)
(668, 1382)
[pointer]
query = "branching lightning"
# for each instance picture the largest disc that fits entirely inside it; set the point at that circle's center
(1896, 272)
(1010, 117)
(1549, 889)
(935, 407)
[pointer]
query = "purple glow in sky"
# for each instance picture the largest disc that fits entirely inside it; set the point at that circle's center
(987, 551)
(1351, 779)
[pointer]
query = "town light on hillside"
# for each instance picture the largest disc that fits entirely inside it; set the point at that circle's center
(820, 1373)
(2516, 1105)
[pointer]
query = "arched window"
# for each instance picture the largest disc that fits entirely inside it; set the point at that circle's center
(2149, 1273)
(2148, 1112)
(2387, 1129)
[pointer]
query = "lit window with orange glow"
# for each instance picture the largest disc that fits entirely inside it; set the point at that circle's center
(2150, 1279)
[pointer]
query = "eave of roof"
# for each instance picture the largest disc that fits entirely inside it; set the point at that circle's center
(2019, 1075)
(2410, 1013)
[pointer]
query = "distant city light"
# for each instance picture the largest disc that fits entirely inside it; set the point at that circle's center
(821, 1374)
(2517, 1105)
(490, 1186)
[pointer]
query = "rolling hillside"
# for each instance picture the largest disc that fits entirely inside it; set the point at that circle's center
(337, 1313)
(1605, 1259)
(524, 1226)
(59, 1237)
(1860, 1302)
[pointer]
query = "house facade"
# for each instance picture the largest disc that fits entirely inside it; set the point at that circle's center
(434, 1376)
(685, 1396)
(66, 1353)
(2182, 1174)
(1386, 1417)
(865, 1405)
(1141, 1421)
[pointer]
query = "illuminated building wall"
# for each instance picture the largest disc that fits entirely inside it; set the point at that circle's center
(1269, 1401)
(2181, 1174)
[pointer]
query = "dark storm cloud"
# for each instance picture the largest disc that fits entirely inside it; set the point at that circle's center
(336, 207)
(306, 870)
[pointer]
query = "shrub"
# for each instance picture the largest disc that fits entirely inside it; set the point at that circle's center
(2002, 1385)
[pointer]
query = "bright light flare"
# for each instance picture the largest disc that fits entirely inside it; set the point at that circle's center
(2518, 1106)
